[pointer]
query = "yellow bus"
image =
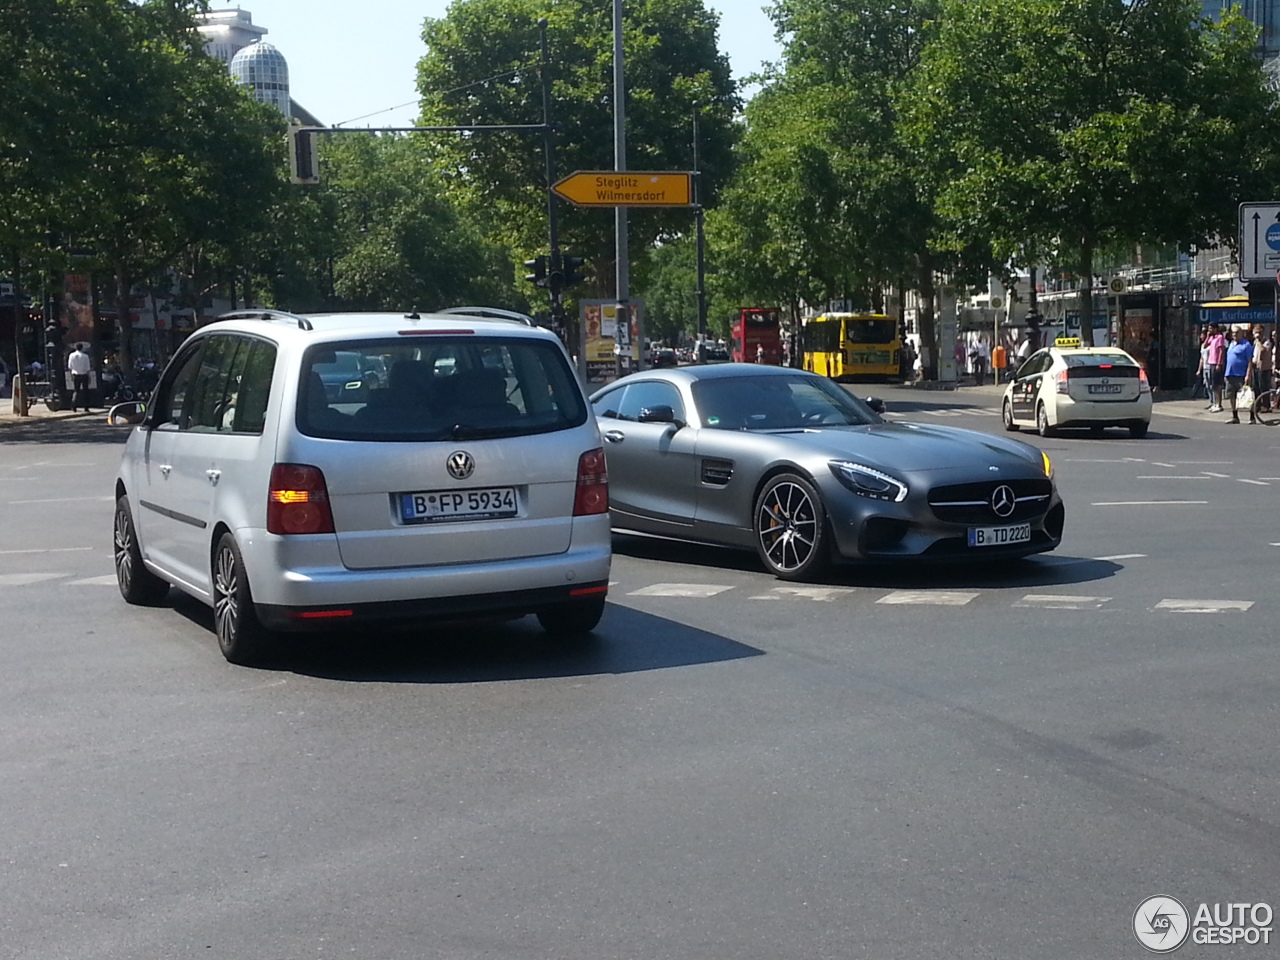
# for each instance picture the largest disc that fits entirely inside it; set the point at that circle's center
(852, 346)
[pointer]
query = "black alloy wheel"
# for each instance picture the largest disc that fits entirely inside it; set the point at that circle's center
(241, 638)
(138, 585)
(1006, 414)
(791, 528)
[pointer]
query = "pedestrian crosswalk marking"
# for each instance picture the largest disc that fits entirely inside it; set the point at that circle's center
(1203, 606)
(941, 598)
(1055, 601)
(23, 579)
(820, 594)
(701, 590)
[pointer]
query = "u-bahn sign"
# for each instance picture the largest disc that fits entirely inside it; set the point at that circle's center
(629, 188)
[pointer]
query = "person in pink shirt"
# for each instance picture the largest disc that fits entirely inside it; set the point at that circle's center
(1216, 345)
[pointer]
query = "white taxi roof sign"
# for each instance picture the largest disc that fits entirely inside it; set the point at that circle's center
(1067, 343)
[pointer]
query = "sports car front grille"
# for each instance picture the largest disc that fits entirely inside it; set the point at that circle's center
(971, 502)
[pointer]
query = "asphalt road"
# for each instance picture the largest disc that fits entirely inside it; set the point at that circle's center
(993, 763)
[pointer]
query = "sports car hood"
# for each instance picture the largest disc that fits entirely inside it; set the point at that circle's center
(916, 447)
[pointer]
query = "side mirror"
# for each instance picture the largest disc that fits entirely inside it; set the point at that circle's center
(876, 404)
(127, 414)
(659, 414)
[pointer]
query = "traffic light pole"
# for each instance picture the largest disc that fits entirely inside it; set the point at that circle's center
(553, 225)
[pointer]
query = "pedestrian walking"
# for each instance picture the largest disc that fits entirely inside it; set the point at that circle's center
(1263, 362)
(1217, 358)
(759, 353)
(981, 360)
(78, 365)
(1238, 368)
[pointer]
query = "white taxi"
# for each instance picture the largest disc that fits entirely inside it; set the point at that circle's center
(1071, 385)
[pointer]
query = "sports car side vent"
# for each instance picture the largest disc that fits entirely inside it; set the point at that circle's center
(717, 472)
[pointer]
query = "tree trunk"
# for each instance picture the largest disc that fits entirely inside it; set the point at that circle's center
(1086, 289)
(926, 317)
(124, 327)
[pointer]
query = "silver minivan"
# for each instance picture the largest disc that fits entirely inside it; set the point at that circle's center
(277, 481)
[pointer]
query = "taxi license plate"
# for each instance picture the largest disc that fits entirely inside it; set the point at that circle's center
(999, 536)
(484, 504)
(1104, 388)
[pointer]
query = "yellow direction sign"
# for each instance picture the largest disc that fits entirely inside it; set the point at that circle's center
(632, 188)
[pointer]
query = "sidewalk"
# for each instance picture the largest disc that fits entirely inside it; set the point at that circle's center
(46, 426)
(1174, 403)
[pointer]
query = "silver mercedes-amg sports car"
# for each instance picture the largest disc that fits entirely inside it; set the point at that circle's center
(790, 465)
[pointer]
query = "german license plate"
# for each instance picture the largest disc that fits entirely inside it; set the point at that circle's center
(999, 536)
(1104, 388)
(484, 504)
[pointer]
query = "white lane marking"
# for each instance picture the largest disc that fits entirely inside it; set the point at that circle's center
(103, 581)
(1170, 476)
(1055, 601)
(1123, 556)
(23, 579)
(1205, 463)
(1134, 460)
(1269, 478)
(680, 590)
(820, 594)
(943, 413)
(1146, 503)
(941, 598)
(1203, 606)
(46, 550)
(1220, 476)
(1157, 463)
(15, 503)
(1275, 544)
(1075, 460)
(1256, 483)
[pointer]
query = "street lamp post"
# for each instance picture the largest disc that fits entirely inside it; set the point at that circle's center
(698, 219)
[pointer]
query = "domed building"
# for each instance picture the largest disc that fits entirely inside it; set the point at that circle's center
(263, 69)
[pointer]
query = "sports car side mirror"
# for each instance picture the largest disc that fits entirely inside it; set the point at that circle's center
(659, 414)
(876, 404)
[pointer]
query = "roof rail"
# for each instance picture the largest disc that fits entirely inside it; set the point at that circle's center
(491, 313)
(267, 314)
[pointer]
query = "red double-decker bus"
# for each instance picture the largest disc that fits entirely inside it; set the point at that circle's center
(757, 335)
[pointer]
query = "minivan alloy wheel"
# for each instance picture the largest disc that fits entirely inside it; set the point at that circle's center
(241, 638)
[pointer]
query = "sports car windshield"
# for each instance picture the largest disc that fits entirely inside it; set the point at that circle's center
(790, 402)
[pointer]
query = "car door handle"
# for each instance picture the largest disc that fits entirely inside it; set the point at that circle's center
(165, 468)
(614, 436)
(213, 476)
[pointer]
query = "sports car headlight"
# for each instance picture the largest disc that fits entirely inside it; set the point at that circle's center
(868, 482)
(1048, 465)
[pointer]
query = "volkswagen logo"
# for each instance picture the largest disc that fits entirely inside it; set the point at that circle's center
(1003, 501)
(461, 466)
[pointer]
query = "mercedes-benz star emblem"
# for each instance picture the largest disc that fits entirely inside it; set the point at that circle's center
(1003, 500)
(461, 466)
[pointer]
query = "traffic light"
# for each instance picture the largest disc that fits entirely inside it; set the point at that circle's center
(537, 274)
(302, 155)
(573, 270)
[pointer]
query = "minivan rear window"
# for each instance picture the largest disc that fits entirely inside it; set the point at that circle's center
(437, 388)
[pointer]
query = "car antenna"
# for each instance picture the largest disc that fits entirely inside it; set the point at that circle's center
(413, 313)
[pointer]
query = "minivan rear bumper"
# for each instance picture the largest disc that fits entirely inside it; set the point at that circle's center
(514, 603)
(290, 575)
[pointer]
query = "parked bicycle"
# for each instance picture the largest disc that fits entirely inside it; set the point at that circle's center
(1266, 408)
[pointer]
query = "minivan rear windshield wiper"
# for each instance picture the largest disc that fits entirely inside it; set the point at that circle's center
(466, 431)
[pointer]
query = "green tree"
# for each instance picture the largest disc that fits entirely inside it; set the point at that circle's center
(1071, 126)
(482, 67)
(830, 200)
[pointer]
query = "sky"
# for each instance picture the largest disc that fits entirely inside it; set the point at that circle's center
(352, 59)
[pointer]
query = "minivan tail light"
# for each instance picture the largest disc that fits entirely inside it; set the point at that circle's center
(298, 500)
(1062, 382)
(592, 494)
